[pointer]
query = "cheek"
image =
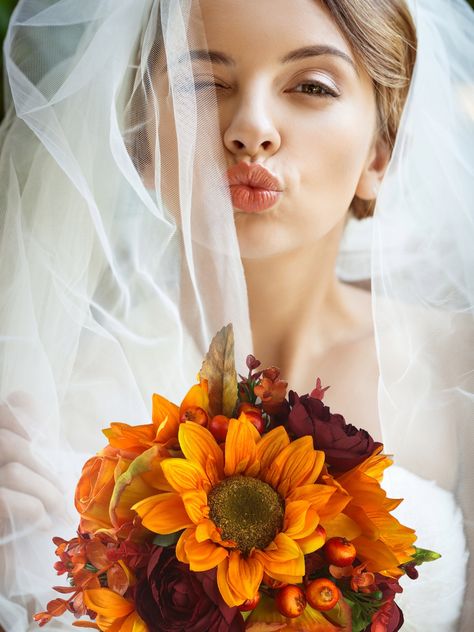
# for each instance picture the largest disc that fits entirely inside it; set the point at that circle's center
(334, 154)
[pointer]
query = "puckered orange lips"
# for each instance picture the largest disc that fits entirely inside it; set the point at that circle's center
(253, 188)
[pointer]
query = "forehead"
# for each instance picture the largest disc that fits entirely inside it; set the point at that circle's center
(269, 28)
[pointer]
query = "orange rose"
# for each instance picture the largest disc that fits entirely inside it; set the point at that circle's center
(95, 487)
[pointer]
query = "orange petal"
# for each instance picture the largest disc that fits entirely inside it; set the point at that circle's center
(295, 517)
(246, 573)
(184, 475)
(270, 446)
(134, 484)
(108, 603)
(180, 545)
(341, 526)
(207, 530)
(298, 464)
(163, 513)
(339, 500)
(134, 623)
(203, 556)
(238, 579)
(165, 416)
(283, 556)
(228, 595)
(311, 543)
(377, 554)
(128, 437)
(300, 519)
(316, 495)
(195, 504)
(196, 396)
(198, 445)
(240, 448)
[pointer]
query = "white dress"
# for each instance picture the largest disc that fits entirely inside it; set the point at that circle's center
(431, 603)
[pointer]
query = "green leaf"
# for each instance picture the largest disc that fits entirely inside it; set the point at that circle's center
(425, 555)
(218, 369)
(167, 540)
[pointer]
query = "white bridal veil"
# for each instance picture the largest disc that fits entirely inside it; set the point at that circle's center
(119, 256)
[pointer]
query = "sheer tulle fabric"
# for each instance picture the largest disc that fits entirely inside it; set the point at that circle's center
(120, 258)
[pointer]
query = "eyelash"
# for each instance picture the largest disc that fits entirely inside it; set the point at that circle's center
(318, 89)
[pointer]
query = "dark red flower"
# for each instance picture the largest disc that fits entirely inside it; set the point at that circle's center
(388, 619)
(170, 597)
(343, 444)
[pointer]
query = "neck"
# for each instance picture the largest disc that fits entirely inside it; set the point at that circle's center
(296, 302)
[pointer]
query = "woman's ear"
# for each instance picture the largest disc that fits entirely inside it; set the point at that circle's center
(374, 170)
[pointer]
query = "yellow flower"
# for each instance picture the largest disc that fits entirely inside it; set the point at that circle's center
(249, 510)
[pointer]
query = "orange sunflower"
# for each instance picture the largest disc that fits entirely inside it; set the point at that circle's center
(382, 542)
(114, 612)
(249, 510)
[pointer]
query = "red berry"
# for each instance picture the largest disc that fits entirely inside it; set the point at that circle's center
(250, 604)
(196, 414)
(290, 601)
(339, 551)
(254, 415)
(322, 594)
(219, 426)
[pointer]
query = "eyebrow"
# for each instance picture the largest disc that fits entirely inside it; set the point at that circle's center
(298, 54)
(316, 51)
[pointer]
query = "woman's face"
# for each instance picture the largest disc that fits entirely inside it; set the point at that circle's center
(292, 99)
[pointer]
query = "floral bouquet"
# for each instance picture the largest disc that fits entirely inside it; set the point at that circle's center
(244, 508)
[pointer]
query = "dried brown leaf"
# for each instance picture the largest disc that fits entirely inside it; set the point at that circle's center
(218, 369)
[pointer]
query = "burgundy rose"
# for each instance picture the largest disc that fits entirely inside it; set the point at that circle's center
(170, 598)
(343, 444)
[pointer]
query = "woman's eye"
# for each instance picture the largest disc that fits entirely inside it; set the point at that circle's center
(314, 89)
(208, 84)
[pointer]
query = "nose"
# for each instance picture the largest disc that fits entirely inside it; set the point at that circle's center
(252, 130)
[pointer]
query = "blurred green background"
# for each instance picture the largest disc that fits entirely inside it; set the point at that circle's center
(7, 6)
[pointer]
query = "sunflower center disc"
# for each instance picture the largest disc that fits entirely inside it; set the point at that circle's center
(247, 510)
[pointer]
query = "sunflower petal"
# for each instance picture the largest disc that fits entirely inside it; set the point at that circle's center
(207, 530)
(295, 517)
(195, 504)
(184, 475)
(378, 555)
(180, 545)
(244, 574)
(198, 445)
(228, 595)
(196, 396)
(283, 556)
(203, 556)
(133, 623)
(164, 513)
(311, 543)
(240, 447)
(298, 464)
(303, 525)
(342, 526)
(107, 603)
(271, 445)
(165, 417)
